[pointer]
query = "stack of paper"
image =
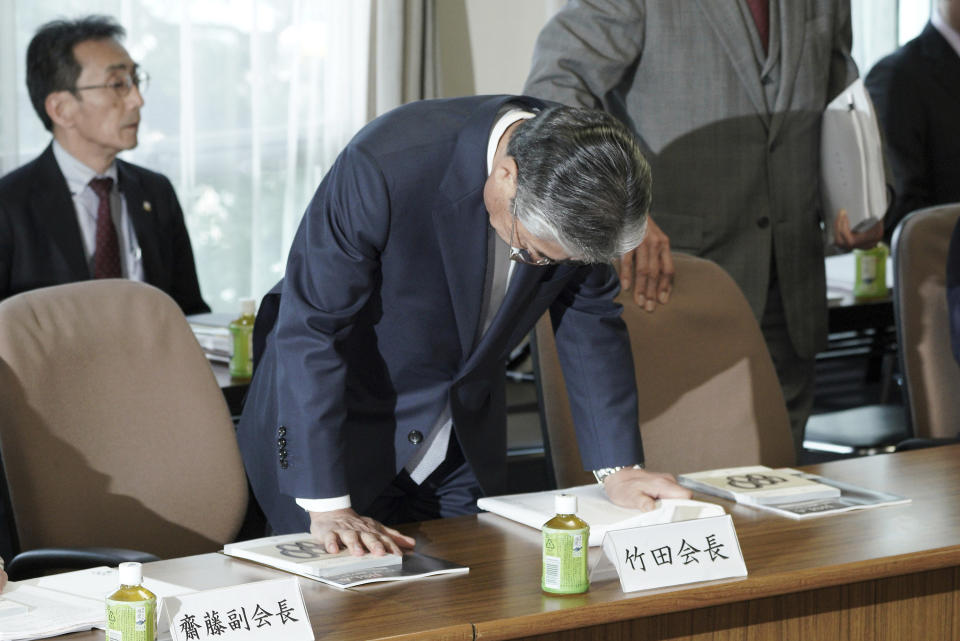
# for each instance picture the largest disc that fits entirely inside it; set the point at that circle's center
(212, 333)
(593, 506)
(67, 602)
(302, 555)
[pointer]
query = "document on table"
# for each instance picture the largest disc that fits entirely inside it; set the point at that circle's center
(67, 602)
(593, 506)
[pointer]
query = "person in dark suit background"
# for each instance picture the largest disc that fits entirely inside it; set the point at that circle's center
(381, 388)
(77, 211)
(953, 290)
(916, 93)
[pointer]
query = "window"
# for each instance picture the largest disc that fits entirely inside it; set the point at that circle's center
(249, 103)
(880, 26)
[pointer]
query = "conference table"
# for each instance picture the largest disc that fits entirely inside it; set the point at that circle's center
(890, 572)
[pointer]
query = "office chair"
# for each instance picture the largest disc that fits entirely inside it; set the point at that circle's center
(708, 392)
(115, 437)
(931, 375)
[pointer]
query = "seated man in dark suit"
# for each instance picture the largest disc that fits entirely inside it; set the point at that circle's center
(77, 212)
(916, 92)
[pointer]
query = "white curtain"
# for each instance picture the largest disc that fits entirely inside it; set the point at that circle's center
(249, 103)
(404, 48)
(880, 26)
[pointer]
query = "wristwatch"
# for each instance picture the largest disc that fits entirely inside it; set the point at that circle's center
(602, 474)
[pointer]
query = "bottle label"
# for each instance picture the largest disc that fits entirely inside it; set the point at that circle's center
(871, 278)
(131, 620)
(565, 561)
(241, 361)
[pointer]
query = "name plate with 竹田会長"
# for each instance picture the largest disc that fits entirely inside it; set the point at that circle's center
(656, 556)
(261, 611)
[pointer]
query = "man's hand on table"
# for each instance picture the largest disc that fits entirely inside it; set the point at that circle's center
(639, 489)
(359, 534)
(648, 269)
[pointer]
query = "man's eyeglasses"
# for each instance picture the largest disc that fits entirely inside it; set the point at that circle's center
(122, 86)
(522, 255)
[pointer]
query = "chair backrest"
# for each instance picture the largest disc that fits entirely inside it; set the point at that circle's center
(708, 392)
(113, 430)
(920, 246)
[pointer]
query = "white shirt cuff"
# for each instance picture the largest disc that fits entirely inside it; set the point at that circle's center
(325, 505)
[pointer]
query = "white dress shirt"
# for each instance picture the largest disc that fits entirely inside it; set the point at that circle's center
(86, 202)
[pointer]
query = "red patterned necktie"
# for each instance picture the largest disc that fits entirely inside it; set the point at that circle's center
(106, 256)
(761, 17)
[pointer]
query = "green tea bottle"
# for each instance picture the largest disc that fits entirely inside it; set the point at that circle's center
(871, 276)
(241, 362)
(565, 540)
(132, 609)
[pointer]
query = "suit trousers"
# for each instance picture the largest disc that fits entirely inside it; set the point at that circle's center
(450, 490)
(796, 374)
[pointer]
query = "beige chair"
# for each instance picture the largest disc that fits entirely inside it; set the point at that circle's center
(113, 430)
(931, 374)
(708, 393)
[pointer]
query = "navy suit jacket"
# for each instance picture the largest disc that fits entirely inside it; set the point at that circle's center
(41, 243)
(374, 327)
(916, 92)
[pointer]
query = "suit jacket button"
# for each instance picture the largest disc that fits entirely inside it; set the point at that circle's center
(282, 431)
(763, 222)
(283, 464)
(415, 436)
(281, 442)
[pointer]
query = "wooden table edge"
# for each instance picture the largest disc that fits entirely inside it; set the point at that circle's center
(652, 603)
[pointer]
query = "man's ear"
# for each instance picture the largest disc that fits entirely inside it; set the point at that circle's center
(506, 170)
(61, 106)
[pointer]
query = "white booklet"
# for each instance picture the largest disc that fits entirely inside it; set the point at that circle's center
(852, 497)
(852, 173)
(302, 555)
(593, 506)
(67, 602)
(757, 485)
(844, 498)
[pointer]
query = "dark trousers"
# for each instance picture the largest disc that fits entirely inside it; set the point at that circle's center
(451, 490)
(796, 374)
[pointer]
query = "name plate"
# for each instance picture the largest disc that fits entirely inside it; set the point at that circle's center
(657, 556)
(261, 611)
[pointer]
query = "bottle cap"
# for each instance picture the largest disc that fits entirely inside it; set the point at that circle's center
(565, 504)
(248, 306)
(131, 573)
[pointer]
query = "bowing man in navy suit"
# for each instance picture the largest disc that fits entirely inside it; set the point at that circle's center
(77, 211)
(379, 397)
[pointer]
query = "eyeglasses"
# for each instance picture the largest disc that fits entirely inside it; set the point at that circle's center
(522, 255)
(122, 87)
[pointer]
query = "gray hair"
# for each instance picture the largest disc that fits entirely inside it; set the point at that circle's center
(581, 182)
